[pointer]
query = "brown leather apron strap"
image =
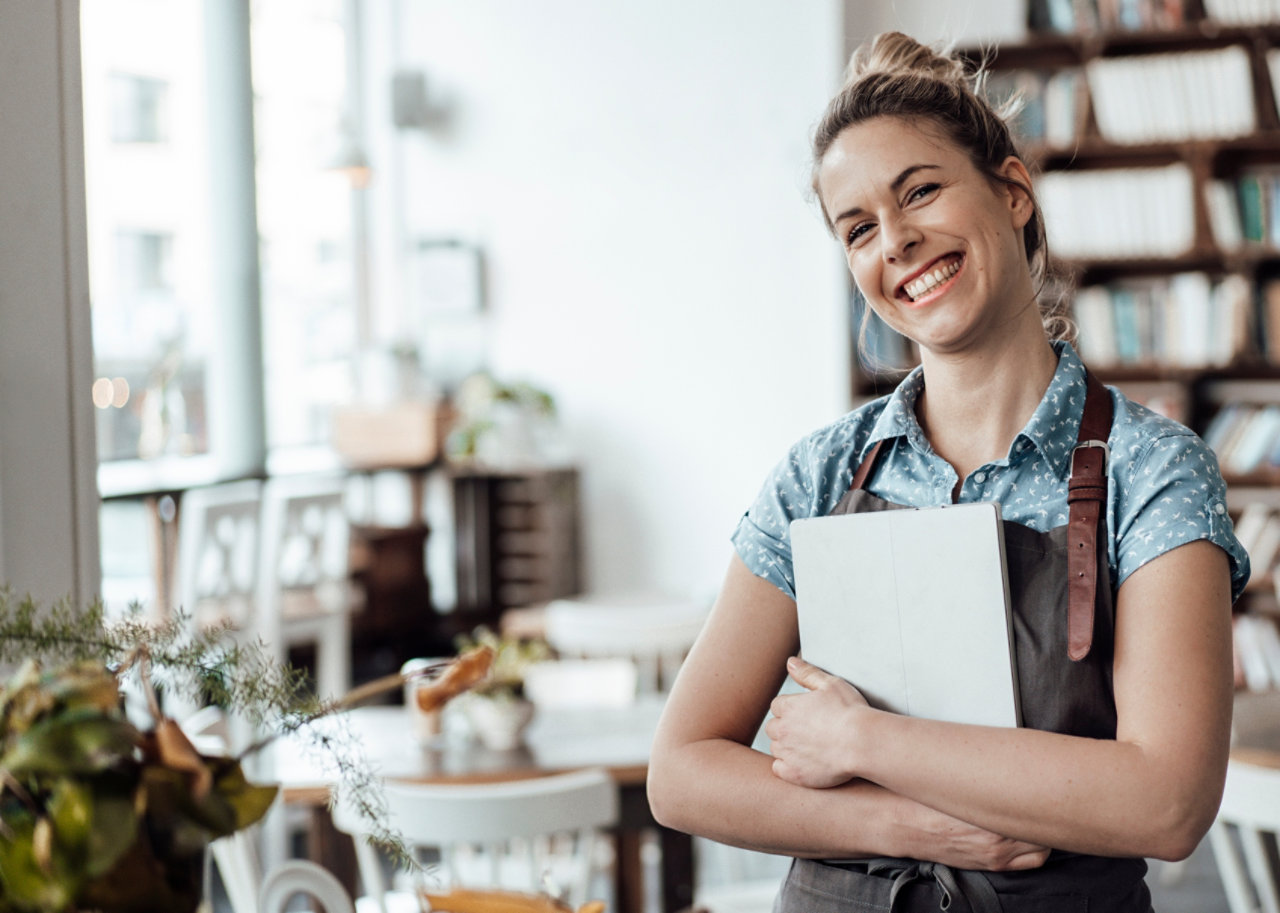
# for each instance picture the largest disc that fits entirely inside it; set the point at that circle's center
(864, 468)
(1086, 495)
(1086, 518)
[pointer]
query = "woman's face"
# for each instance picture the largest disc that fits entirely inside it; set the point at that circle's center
(934, 245)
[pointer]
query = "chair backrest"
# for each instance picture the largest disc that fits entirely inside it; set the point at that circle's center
(304, 592)
(603, 682)
(510, 834)
(218, 534)
(305, 538)
(655, 633)
(298, 876)
(1250, 810)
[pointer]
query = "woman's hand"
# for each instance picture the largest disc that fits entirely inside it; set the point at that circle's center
(809, 732)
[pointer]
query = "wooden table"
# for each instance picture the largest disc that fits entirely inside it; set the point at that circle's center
(558, 740)
(1256, 728)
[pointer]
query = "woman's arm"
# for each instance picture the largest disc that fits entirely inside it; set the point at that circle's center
(704, 777)
(1151, 792)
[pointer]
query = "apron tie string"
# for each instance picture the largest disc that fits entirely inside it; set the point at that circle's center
(971, 887)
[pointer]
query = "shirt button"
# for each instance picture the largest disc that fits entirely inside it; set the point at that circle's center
(1219, 508)
(979, 477)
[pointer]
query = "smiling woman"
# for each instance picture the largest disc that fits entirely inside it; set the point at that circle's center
(1122, 566)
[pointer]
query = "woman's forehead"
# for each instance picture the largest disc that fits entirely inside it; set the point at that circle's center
(871, 155)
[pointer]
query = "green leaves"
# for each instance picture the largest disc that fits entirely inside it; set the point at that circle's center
(75, 742)
(97, 813)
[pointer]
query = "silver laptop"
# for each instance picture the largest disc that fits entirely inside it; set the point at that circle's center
(912, 607)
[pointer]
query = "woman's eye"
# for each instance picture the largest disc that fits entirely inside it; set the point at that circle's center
(921, 192)
(858, 232)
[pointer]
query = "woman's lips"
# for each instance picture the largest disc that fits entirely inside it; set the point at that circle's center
(932, 278)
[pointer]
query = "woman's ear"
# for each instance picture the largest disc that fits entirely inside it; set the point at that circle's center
(1017, 184)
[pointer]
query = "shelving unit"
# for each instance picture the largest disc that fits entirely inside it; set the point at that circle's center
(1078, 80)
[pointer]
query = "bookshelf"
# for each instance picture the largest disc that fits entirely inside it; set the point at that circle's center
(1153, 130)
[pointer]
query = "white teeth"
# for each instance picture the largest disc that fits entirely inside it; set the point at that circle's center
(917, 287)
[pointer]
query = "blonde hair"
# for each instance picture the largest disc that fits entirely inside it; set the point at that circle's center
(896, 76)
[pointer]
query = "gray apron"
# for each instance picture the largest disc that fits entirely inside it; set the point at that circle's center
(1064, 627)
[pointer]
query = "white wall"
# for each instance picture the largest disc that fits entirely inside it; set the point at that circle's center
(48, 495)
(637, 176)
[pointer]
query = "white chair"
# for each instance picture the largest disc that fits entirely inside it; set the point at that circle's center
(605, 682)
(236, 857)
(734, 880)
(522, 835)
(217, 574)
(1248, 819)
(656, 633)
(305, 595)
(298, 876)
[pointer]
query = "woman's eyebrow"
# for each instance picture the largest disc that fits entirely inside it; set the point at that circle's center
(895, 186)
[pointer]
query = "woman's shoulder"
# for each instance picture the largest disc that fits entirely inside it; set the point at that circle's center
(1137, 429)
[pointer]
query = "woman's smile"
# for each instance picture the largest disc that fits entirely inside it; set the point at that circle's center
(927, 284)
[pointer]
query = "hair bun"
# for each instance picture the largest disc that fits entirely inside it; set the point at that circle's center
(896, 54)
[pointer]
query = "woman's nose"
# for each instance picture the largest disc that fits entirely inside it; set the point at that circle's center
(899, 236)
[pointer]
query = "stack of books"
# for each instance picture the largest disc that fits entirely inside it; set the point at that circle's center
(1051, 104)
(1069, 16)
(1186, 320)
(1120, 213)
(1171, 97)
(1246, 437)
(1245, 211)
(1242, 12)
(1257, 652)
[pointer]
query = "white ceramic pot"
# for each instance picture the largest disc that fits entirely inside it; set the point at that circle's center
(499, 722)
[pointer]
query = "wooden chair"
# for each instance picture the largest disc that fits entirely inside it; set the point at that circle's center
(1243, 838)
(523, 835)
(298, 876)
(655, 633)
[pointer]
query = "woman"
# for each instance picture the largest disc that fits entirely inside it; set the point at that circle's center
(1124, 677)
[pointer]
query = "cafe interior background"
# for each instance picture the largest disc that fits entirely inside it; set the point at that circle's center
(270, 239)
(606, 203)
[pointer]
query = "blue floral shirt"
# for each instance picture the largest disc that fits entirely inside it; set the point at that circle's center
(1164, 490)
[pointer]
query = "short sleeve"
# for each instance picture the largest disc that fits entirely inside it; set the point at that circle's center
(1174, 495)
(762, 538)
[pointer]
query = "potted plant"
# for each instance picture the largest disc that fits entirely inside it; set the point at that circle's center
(497, 707)
(101, 811)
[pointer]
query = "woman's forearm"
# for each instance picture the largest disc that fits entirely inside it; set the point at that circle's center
(1152, 791)
(726, 791)
(1084, 795)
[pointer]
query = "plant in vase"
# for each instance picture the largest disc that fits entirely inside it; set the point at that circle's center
(100, 812)
(497, 707)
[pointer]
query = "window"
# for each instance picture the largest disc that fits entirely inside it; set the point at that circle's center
(189, 268)
(306, 207)
(139, 109)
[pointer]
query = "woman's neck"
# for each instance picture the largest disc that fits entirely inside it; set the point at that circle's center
(975, 403)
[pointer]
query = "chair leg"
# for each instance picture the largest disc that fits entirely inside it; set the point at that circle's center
(1235, 880)
(1255, 853)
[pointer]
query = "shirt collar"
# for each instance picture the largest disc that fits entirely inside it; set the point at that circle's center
(1052, 429)
(1055, 424)
(899, 416)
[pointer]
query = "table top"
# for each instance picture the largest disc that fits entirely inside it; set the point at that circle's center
(1256, 728)
(618, 739)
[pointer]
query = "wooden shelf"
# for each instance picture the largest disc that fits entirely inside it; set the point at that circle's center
(1206, 388)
